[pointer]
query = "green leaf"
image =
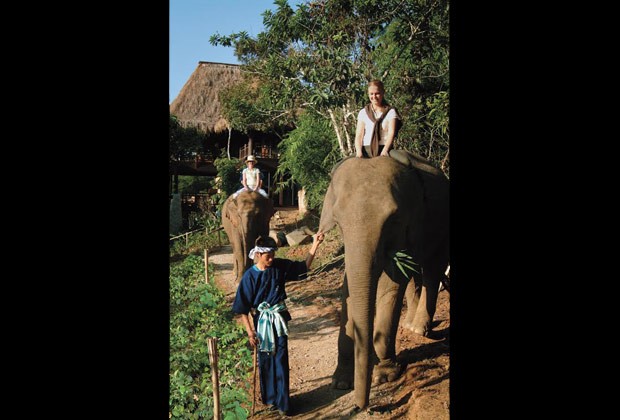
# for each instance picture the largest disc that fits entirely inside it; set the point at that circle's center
(404, 262)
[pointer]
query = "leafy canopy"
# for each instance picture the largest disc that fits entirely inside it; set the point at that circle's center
(318, 58)
(183, 141)
(307, 154)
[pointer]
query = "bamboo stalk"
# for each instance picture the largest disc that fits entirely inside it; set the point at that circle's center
(215, 377)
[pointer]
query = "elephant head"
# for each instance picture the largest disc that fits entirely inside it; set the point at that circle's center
(380, 206)
(245, 218)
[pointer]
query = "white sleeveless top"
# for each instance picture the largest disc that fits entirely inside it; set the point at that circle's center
(369, 126)
(251, 177)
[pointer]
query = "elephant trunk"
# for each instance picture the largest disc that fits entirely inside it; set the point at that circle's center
(362, 292)
(247, 245)
(253, 231)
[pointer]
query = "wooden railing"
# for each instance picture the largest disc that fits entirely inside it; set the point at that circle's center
(186, 234)
(259, 151)
(198, 161)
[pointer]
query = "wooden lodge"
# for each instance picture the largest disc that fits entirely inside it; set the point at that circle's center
(198, 105)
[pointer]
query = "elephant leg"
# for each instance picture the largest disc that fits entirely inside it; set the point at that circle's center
(343, 376)
(237, 269)
(235, 243)
(432, 275)
(389, 305)
(412, 294)
(433, 271)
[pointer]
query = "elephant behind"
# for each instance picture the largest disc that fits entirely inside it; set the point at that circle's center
(383, 206)
(245, 218)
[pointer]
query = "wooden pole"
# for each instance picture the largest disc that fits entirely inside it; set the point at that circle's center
(206, 266)
(215, 377)
(254, 381)
(186, 239)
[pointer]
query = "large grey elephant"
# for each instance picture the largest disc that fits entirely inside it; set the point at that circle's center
(385, 206)
(244, 219)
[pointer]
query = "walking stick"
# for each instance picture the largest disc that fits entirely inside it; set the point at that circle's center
(254, 382)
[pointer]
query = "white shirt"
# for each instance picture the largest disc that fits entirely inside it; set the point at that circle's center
(369, 125)
(251, 177)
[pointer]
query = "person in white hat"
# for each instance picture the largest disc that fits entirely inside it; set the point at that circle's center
(252, 179)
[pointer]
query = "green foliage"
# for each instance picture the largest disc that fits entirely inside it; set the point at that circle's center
(249, 106)
(321, 55)
(198, 311)
(413, 54)
(198, 241)
(183, 142)
(307, 154)
(203, 218)
(229, 174)
(228, 170)
(404, 262)
(194, 184)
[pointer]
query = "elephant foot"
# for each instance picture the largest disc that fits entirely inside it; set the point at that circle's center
(386, 371)
(354, 411)
(408, 324)
(420, 325)
(421, 329)
(342, 378)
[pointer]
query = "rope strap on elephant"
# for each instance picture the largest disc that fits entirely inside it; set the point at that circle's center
(269, 317)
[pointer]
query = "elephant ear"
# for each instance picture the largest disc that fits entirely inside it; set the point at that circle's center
(230, 212)
(327, 214)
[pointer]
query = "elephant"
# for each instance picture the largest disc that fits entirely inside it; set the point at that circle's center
(384, 206)
(244, 219)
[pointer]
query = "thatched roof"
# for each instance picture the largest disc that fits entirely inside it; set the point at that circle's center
(198, 103)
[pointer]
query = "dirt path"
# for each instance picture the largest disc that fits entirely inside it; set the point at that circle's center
(422, 392)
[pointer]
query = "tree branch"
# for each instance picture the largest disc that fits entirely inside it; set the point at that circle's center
(444, 162)
(337, 130)
(346, 132)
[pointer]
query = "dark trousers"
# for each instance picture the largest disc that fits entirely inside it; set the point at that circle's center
(366, 151)
(274, 375)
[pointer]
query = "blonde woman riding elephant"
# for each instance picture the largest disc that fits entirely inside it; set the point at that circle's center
(385, 207)
(245, 218)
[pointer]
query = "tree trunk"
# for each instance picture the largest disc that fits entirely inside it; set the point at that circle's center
(343, 151)
(301, 202)
(345, 112)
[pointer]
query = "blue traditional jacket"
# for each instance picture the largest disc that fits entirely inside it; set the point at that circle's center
(258, 286)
